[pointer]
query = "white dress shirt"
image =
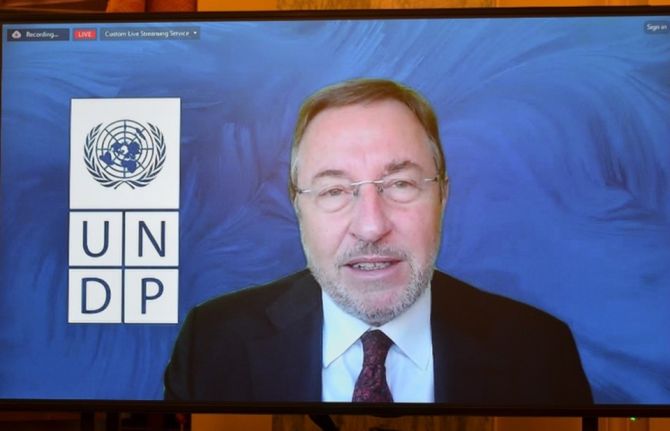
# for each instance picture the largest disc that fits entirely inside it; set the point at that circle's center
(409, 364)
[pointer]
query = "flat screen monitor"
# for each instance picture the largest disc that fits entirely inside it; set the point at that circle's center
(408, 211)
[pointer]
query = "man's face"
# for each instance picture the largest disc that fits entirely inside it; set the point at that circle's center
(374, 256)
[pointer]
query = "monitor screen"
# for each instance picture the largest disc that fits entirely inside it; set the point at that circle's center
(433, 208)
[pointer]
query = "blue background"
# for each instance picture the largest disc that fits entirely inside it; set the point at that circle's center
(557, 139)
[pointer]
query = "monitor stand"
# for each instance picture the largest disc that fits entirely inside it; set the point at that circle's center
(324, 422)
(589, 423)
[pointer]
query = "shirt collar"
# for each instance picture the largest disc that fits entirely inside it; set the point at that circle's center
(410, 331)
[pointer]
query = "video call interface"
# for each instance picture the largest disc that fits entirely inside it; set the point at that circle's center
(169, 143)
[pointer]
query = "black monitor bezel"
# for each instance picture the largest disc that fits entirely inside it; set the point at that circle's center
(609, 410)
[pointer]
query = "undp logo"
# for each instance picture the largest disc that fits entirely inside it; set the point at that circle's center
(123, 234)
(124, 152)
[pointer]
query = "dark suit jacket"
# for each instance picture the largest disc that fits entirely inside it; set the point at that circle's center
(264, 344)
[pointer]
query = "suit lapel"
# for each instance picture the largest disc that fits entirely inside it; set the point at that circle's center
(456, 351)
(286, 365)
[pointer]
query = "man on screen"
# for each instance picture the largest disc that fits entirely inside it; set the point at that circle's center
(371, 320)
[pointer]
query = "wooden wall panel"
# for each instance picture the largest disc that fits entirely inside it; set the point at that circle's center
(236, 5)
(403, 423)
(221, 5)
(508, 3)
(230, 422)
(380, 4)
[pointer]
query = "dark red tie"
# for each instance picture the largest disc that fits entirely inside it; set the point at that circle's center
(371, 386)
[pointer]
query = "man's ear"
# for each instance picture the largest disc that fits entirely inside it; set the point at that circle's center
(296, 208)
(444, 193)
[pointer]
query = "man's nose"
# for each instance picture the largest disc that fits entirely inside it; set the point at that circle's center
(370, 221)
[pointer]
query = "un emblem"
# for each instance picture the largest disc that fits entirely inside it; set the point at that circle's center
(124, 152)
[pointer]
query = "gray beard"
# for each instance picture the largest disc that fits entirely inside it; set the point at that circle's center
(354, 303)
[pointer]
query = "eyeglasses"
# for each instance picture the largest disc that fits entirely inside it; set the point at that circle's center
(330, 196)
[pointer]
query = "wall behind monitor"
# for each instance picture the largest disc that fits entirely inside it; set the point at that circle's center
(218, 5)
(265, 422)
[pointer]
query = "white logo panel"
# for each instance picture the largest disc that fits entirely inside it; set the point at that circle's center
(124, 211)
(94, 296)
(124, 153)
(151, 296)
(152, 238)
(96, 238)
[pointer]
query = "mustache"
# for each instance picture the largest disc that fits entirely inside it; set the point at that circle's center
(371, 249)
